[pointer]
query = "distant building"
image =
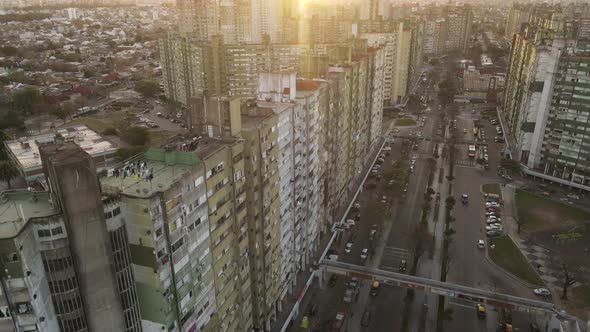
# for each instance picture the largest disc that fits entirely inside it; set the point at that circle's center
(25, 151)
(71, 13)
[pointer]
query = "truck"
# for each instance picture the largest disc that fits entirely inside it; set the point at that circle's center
(471, 151)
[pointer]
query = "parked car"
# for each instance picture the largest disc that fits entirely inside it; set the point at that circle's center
(348, 248)
(481, 244)
(573, 196)
(541, 292)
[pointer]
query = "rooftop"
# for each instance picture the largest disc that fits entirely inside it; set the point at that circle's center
(154, 171)
(26, 149)
(17, 207)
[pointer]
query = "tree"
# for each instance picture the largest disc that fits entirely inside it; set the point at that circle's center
(88, 73)
(8, 171)
(3, 138)
(422, 240)
(447, 91)
(9, 50)
(25, 98)
(569, 278)
(59, 113)
(511, 165)
(147, 88)
(11, 120)
(136, 136)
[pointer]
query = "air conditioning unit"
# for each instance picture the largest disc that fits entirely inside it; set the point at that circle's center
(170, 297)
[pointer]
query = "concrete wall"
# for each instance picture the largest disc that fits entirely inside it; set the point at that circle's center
(72, 176)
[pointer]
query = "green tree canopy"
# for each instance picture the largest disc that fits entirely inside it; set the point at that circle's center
(25, 98)
(11, 120)
(60, 113)
(447, 91)
(147, 88)
(136, 136)
(8, 171)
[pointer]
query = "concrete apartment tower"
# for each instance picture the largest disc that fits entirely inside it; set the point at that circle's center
(75, 189)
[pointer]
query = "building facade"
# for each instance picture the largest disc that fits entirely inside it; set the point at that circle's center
(546, 95)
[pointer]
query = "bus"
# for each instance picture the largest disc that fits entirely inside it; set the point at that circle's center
(471, 151)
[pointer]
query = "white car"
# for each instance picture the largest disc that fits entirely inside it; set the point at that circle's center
(541, 291)
(356, 205)
(350, 222)
(492, 204)
(364, 253)
(348, 248)
(572, 196)
(387, 148)
(494, 228)
(481, 244)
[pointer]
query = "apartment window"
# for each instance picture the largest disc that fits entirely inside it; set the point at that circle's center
(56, 231)
(43, 233)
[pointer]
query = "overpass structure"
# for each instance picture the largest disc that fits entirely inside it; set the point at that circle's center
(438, 139)
(441, 288)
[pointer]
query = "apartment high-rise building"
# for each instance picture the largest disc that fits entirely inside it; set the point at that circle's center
(434, 36)
(374, 10)
(183, 70)
(458, 25)
(448, 30)
(71, 176)
(517, 17)
(198, 19)
(546, 93)
(397, 46)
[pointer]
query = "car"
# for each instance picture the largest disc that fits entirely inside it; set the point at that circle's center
(350, 222)
(481, 244)
(375, 288)
(353, 283)
(364, 254)
(348, 248)
(492, 204)
(492, 214)
(493, 233)
(481, 310)
(541, 292)
(403, 264)
(494, 227)
(464, 198)
(356, 205)
(387, 148)
(573, 196)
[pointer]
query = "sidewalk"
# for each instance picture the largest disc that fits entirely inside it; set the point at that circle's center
(425, 318)
(303, 276)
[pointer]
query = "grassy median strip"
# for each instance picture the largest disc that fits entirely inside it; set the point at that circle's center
(491, 188)
(507, 256)
(405, 122)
